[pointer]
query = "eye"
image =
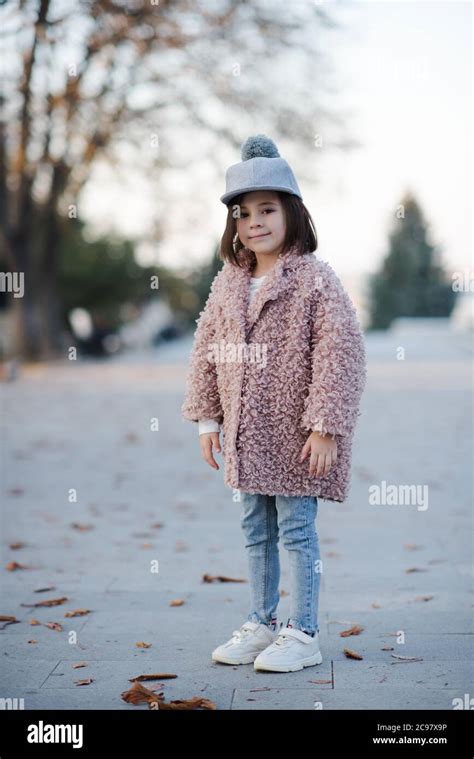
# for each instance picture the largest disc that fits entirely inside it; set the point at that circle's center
(244, 214)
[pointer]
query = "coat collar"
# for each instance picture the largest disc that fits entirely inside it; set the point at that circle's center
(277, 281)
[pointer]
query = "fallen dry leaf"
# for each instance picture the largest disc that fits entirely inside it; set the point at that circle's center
(387, 648)
(138, 694)
(12, 565)
(79, 664)
(375, 605)
(77, 613)
(320, 682)
(53, 626)
(177, 602)
(411, 546)
(423, 598)
(352, 654)
(198, 702)
(49, 602)
(35, 622)
(143, 645)
(43, 590)
(354, 630)
(157, 525)
(406, 658)
(82, 527)
(146, 545)
(415, 569)
(7, 620)
(160, 676)
(16, 546)
(32, 641)
(86, 681)
(220, 578)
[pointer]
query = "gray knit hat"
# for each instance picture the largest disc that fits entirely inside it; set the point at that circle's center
(261, 168)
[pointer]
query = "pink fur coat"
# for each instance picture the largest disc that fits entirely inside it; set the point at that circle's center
(292, 362)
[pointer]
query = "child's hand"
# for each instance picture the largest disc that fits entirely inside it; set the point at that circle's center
(208, 440)
(323, 450)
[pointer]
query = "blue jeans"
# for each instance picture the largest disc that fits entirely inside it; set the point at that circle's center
(264, 519)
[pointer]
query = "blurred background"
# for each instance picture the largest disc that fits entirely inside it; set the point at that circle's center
(119, 120)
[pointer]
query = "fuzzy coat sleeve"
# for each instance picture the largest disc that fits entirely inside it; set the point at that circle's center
(202, 400)
(338, 373)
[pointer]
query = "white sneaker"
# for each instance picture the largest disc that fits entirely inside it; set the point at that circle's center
(292, 650)
(245, 644)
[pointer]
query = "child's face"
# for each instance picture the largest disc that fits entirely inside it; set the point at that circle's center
(261, 226)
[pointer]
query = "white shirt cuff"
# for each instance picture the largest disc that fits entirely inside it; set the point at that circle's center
(208, 425)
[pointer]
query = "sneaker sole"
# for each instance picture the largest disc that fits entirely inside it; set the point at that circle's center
(310, 662)
(227, 660)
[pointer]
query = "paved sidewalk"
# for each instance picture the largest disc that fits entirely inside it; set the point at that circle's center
(87, 427)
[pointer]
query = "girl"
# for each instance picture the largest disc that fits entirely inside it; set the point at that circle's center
(279, 361)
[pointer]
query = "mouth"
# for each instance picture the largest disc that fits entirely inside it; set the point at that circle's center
(256, 237)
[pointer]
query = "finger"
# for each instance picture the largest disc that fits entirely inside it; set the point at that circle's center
(328, 464)
(211, 461)
(216, 442)
(305, 450)
(313, 462)
(207, 454)
(321, 470)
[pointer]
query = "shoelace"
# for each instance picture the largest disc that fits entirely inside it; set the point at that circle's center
(239, 634)
(283, 639)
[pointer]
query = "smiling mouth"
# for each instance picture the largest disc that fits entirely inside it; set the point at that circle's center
(262, 235)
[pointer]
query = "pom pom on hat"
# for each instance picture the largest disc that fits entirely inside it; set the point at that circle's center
(261, 168)
(259, 146)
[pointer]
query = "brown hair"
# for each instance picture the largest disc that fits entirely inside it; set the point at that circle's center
(300, 229)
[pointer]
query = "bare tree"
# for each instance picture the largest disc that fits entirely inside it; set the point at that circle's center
(82, 77)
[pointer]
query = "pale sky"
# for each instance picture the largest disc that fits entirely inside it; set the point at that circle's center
(405, 76)
(408, 82)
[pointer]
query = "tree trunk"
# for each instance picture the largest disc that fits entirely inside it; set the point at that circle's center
(37, 315)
